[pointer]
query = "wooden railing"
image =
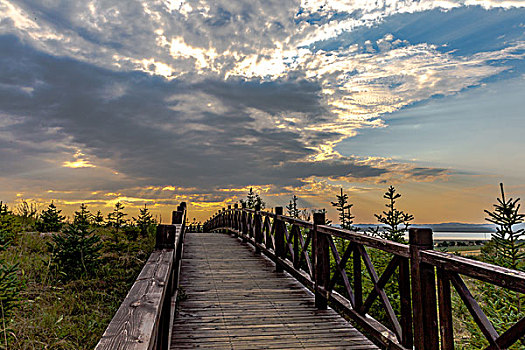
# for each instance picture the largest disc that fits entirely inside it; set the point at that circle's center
(309, 252)
(194, 227)
(145, 318)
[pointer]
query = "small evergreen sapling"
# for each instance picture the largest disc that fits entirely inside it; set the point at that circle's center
(504, 308)
(8, 226)
(253, 199)
(295, 212)
(292, 209)
(9, 280)
(259, 202)
(346, 218)
(145, 221)
(9, 288)
(508, 242)
(82, 217)
(116, 218)
(77, 250)
(50, 220)
(396, 221)
(98, 219)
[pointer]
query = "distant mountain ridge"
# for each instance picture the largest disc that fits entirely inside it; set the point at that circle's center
(459, 227)
(450, 227)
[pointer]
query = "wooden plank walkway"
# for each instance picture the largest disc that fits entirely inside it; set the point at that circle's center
(236, 300)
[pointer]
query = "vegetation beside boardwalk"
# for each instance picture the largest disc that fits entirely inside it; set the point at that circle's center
(61, 285)
(69, 283)
(502, 307)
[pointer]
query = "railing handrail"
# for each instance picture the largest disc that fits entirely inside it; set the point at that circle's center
(144, 319)
(423, 274)
(494, 274)
(374, 242)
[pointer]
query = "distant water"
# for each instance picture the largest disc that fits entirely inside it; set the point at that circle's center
(454, 230)
(462, 236)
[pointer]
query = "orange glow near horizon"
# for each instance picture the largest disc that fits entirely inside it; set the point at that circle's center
(429, 202)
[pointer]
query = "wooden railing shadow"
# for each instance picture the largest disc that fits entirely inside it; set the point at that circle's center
(144, 320)
(308, 252)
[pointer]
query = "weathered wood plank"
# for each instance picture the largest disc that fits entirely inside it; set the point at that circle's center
(236, 302)
(133, 326)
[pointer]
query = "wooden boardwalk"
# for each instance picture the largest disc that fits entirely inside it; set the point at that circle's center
(236, 300)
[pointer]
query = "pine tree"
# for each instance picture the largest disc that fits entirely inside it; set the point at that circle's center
(116, 219)
(250, 199)
(76, 251)
(10, 284)
(397, 222)
(253, 199)
(145, 221)
(50, 220)
(508, 244)
(82, 218)
(292, 209)
(344, 208)
(9, 281)
(8, 226)
(98, 219)
(504, 307)
(259, 202)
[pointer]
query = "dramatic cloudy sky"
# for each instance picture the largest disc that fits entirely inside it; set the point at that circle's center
(167, 100)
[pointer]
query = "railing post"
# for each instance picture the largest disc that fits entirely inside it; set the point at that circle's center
(244, 224)
(229, 216)
(407, 336)
(321, 263)
(257, 228)
(225, 214)
(446, 325)
(176, 217)
(358, 278)
(279, 238)
(165, 238)
(424, 303)
(236, 217)
(223, 219)
(296, 257)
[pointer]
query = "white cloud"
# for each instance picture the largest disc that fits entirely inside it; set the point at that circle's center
(260, 41)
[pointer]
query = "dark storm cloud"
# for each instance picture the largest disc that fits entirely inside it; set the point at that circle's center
(271, 97)
(153, 131)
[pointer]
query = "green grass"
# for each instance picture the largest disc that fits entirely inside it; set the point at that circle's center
(460, 248)
(54, 313)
